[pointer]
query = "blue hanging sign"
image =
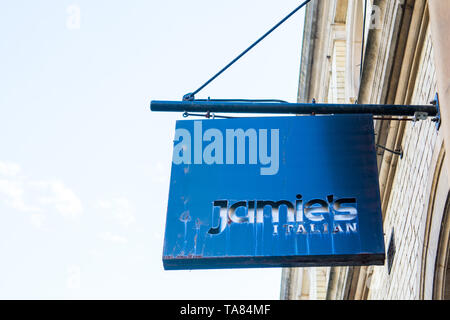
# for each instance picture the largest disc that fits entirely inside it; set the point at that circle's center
(274, 192)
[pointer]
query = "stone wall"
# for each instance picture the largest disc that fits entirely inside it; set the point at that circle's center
(407, 209)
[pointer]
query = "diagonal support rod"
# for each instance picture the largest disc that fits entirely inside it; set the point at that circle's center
(191, 96)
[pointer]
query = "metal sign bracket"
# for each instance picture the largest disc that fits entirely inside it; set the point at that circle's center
(397, 152)
(437, 119)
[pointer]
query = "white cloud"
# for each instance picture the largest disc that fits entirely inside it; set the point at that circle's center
(9, 169)
(11, 189)
(157, 235)
(12, 193)
(162, 174)
(120, 209)
(37, 220)
(110, 237)
(56, 195)
(159, 172)
(25, 195)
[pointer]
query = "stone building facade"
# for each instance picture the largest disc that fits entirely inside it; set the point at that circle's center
(387, 52)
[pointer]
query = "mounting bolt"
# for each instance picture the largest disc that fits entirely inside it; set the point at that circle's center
(420, 116)
(188, 97)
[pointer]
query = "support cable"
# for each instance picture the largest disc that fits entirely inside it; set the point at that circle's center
(191, 96)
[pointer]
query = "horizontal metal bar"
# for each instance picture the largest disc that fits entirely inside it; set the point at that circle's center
(290, 108)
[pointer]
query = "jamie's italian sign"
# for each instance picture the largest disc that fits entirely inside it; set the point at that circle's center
(274, 192)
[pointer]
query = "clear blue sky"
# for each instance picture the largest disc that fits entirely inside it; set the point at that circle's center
(84, 164)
